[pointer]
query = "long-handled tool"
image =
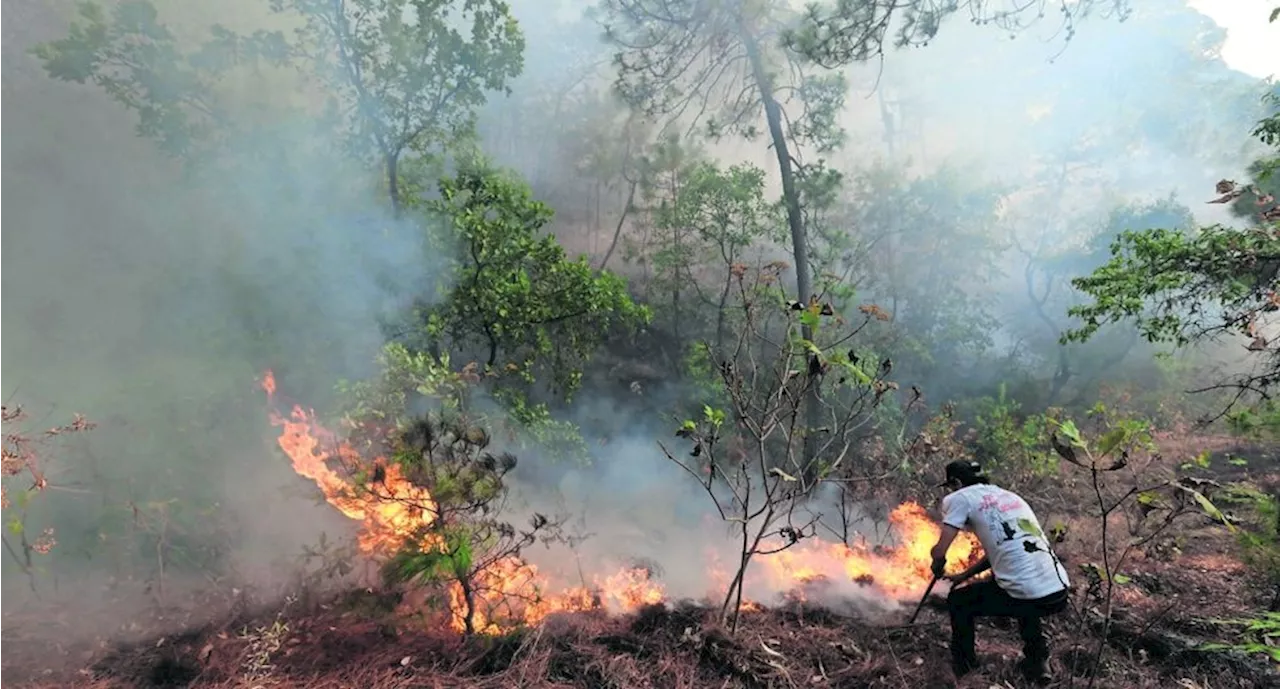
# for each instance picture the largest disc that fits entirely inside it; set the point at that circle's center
(923, 598)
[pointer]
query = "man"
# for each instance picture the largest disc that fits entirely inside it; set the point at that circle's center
(1029, 582)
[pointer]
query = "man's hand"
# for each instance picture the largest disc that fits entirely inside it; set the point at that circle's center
(983, 565)
(939, 567)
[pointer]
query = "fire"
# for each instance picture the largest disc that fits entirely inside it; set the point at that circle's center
(901, 572)
(512, 592)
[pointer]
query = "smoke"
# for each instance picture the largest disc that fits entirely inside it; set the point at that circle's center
(1137, 112)
(150, 300)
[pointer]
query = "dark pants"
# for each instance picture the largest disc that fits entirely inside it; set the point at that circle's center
(987, 599)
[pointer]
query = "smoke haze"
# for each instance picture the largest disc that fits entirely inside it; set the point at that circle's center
(152, 300)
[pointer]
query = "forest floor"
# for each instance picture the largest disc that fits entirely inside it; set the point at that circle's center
(1163, 614)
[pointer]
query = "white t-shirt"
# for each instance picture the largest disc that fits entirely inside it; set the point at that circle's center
(1022, 561)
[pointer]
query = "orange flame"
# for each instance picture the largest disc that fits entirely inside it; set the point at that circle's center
(900, 572)
(513, 592)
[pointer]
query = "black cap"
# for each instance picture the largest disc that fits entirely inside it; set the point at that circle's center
(966, 471)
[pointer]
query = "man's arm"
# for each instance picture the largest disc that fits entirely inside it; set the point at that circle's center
(939, 551)
(983, 565)
(955, 513)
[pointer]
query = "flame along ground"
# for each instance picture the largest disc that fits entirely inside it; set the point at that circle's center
(514, 592)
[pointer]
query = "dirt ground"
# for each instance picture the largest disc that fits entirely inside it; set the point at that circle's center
(1162, 616)
(352, 642)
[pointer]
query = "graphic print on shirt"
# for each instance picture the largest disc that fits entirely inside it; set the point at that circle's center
(994, 512)
(1021, 560)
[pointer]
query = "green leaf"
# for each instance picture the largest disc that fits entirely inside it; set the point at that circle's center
(1069, 429)
(856, 371)
(1209, 508)
(1111, 440)
(15, 527)
(1030, 527)
(1121, 578)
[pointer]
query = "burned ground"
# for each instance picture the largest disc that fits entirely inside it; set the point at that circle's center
(1164, 614)
(660, 646)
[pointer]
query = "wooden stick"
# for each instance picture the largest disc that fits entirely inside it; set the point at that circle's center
(923, 598)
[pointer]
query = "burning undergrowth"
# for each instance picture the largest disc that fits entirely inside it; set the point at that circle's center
(493, 586)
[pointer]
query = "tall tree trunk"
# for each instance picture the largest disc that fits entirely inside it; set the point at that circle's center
(617, 231)
(393, 182)
(795, 220)
(886, 118)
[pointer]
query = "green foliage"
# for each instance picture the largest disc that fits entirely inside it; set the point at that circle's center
(677, 58)
(702, 220)
(407, 381)
(1097, 573)
(1157, 276)
(720, 65)
(449, 559)
(403, 376)
(137, 61)
(1259, 421)
(1255, 200)
(886, 240)
(532, 426)
(700, 373)
(840, 32)
(1259, 540)
(401, 75)
(754, 450)
(1256, 635)
(413, 71)
(1165, 212)
(458, 492)
(535, 315)
(1184, 287)
(722, 208)
(1013, 441)
(1114, 438)
(438, 476)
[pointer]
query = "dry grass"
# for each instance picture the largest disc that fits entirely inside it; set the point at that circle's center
(357, 643)
(333, 647)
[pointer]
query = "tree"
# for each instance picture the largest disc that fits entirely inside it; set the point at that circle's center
(460, 540)
(402, 76)
(841, 32)
(513, 297)
(437, 494)
(925, 248)
(1253, 201)
(751, 456)
(413, 71)
(138, 62)
(1049, 269)
(697, 57)
(24, 457)
(1119, 459)
(699, 219)
(1186, 287)
(726, 213)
